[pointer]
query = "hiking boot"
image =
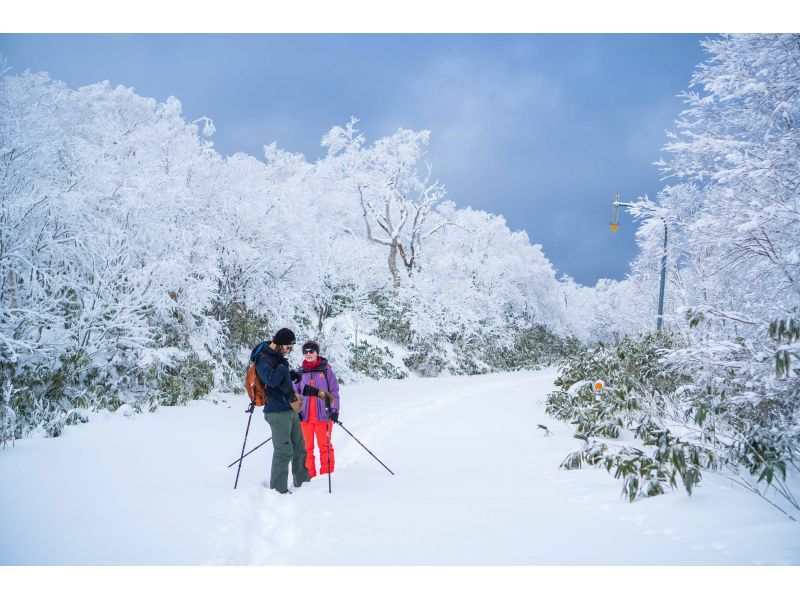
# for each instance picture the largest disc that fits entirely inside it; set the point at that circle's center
(266, 485)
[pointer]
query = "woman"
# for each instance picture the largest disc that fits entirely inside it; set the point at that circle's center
(316, 372)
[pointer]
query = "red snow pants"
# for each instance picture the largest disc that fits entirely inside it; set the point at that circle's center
(318, 429)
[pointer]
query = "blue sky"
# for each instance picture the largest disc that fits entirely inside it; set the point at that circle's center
(542, 128)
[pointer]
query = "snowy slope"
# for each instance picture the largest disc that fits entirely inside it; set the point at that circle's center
(475, 483)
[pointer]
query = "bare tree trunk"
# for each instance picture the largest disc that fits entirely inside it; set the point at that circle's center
(12, 290)
(393, 268)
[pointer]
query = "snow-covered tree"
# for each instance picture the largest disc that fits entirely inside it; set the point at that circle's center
(137, 265)
(717, 392)
(396, 202)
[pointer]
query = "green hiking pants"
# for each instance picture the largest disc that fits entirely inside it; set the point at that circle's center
(288, 446)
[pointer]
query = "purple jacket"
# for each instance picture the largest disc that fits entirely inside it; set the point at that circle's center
(324, 379)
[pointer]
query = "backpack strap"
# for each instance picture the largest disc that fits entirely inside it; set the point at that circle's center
(260, 348)
(261, 386)
(327, 382)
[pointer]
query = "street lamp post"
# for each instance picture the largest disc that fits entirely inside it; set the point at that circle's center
(614, 224)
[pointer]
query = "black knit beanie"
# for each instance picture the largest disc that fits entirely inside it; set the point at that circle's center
(311, 345)
(284, 336)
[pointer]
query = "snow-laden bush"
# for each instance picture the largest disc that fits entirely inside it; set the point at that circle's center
(181, 381)
(533, 347)
(426, 357)
(374, 362)
(656, 426)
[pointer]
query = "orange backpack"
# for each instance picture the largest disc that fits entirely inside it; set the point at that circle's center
(255, 389)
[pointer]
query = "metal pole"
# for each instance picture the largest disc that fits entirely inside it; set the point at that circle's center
(365, 448)
(660, 319)
(244, 444)
(250, 451)
(328, 426)
(615, 204)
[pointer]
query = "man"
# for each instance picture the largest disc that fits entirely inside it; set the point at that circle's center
(287, 437)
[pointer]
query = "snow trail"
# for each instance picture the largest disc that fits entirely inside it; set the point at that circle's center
(476, 483)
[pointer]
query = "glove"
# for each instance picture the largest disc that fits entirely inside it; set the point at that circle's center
(327, 397)
(296, 403)
(334, 416)
(310, 391)
(294, 376)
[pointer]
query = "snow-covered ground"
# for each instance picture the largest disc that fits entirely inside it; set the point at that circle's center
(476, 483)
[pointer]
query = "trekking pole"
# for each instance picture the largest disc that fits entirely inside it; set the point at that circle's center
(365, 448)
(250, 411)
(250, 451)
(328, 434)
